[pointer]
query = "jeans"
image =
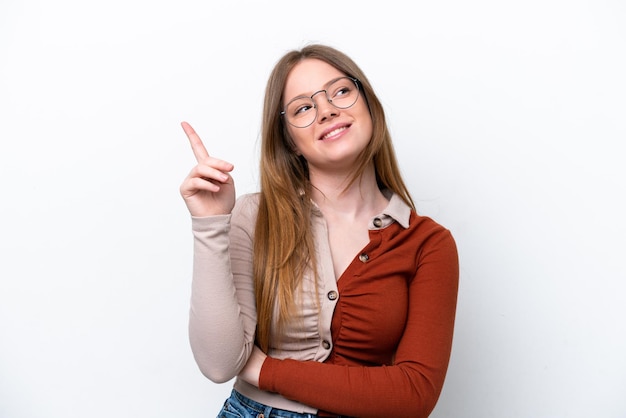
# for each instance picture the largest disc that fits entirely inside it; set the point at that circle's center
(239, 406)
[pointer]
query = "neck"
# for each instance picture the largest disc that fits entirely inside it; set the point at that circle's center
(362, 197)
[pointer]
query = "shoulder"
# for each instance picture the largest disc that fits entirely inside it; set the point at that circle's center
(434, 249)
(430, 232)
(414, 226)
(425, 222)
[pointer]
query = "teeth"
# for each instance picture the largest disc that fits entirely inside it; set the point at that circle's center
(331, 133)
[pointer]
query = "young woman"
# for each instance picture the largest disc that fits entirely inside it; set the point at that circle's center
(325, 293)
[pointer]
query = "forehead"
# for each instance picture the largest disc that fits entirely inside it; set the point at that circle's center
(309, 76)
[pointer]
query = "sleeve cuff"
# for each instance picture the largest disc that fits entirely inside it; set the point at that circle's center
(266, 376)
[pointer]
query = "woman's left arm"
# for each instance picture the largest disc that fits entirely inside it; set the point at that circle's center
(412, 385)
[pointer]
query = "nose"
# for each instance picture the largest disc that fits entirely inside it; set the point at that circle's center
(325, 109)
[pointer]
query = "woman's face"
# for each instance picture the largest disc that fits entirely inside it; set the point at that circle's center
(336, 137)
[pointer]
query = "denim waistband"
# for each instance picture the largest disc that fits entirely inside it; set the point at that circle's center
(265, 411)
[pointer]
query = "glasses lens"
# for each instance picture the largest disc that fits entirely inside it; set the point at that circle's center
(341, 93)
(301, 112)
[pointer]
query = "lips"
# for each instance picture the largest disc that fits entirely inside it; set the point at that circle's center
(333, 131)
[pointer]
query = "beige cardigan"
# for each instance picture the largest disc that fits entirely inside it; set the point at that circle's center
(223, 314)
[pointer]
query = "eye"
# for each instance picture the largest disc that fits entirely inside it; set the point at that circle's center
(302, 109)
(342, 90)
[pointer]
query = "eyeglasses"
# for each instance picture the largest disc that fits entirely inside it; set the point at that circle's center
(341, 93)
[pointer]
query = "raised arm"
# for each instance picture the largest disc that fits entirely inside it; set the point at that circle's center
(222, 314)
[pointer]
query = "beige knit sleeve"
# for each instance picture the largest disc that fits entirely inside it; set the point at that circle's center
(222, 317)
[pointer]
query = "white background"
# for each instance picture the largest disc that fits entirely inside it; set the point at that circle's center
(509, 120)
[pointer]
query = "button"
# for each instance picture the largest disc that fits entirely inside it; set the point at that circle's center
(325, 344)
(364, 257)
(332, 295)
(378, 222)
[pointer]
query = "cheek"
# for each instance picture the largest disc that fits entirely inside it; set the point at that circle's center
(298, 138)
(365, 116)
(368, 126)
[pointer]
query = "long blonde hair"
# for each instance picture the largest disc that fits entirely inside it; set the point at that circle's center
(284, 246)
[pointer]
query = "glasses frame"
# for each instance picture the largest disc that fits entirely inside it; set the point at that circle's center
(283, 112)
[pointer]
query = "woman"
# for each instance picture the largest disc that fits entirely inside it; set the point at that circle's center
(325, 293)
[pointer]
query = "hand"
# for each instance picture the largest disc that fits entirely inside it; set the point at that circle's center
(208, 189)
(252, 370)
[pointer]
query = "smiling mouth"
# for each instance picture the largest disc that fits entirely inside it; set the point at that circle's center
(333, 132)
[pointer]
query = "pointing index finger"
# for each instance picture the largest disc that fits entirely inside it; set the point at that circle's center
(197, 146)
